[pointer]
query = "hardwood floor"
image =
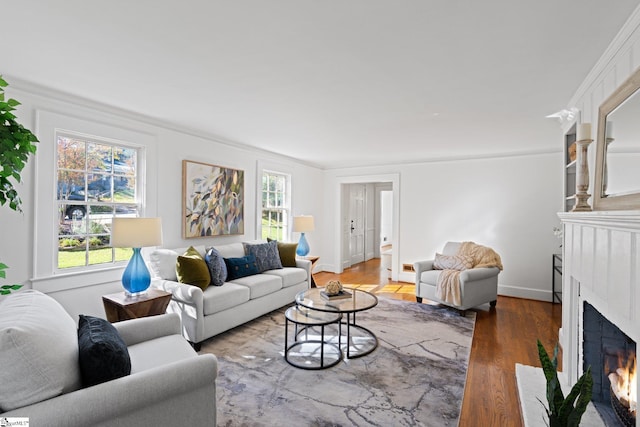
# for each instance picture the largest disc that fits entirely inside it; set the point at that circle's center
(502, 337)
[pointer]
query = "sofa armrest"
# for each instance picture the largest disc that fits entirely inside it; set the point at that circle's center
(182, 292)
(183, 390)
(478, 274)
(421, 266)
(135, 331)
(306, 265)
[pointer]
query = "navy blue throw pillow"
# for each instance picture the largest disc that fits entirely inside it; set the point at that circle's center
(103, 354)
(217, 267)
(241, 267)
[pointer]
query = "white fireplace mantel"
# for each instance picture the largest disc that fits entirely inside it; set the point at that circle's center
(601, 265)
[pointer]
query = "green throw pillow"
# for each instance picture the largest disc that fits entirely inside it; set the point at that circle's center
(192, 269)
(287, 253)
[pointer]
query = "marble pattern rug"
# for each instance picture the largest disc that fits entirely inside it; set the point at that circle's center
(415, 377)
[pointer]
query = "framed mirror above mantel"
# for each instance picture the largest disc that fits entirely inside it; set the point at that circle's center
(617, 174)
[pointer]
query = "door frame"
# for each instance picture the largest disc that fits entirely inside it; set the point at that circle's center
(338, 243)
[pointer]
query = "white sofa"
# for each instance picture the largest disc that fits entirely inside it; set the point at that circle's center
(42, 380)
(220, 308)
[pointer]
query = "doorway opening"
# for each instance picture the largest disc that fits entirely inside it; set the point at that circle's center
(368, 213)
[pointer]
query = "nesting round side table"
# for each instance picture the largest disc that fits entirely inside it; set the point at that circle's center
(308, 349)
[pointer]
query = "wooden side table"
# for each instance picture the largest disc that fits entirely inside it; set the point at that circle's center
(314, 261)
(120, 306)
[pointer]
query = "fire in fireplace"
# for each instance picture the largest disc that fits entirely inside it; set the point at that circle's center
(624, 386)
(612, 357)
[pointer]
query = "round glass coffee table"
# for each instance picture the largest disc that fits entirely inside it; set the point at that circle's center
(359, 341)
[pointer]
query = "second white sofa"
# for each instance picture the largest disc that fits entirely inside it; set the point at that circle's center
(220, 308)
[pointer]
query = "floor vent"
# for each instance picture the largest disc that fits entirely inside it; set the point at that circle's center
(408, 268)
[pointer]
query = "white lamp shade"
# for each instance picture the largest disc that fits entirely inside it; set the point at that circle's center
(136, 232)
(303, 223)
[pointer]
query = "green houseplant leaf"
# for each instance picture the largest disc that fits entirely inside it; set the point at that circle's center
(561, 410)
(16, 144)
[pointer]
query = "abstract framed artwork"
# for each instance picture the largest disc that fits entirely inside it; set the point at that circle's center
(213, 200)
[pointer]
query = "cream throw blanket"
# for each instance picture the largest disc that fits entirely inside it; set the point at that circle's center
(448, 285)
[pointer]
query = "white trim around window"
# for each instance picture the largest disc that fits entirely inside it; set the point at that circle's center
(47, 278)
(277, 168)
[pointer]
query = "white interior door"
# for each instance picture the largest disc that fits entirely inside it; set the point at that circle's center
(357, 222)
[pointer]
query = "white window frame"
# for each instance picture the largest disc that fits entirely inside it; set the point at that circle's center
(282, 168)
(285, 209)
(46, 277)
(86, 234)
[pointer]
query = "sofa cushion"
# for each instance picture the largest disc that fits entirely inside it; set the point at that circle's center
(103, 356)
(290, 276)
(217, 267)
(260, 284)
(160, 351)
(162, 263)
(287, 253)
(232, 250)
(241, 267)
(39, 356)
(267, 256)
(192, 269)
(452, 262)
(219, 298)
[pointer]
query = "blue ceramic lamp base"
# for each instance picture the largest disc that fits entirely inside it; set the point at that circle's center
(303, 246)
(136, 278)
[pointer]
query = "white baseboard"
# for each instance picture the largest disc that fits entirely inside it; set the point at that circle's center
(527, 293)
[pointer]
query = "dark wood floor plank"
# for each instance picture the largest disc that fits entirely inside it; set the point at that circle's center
(502, 337)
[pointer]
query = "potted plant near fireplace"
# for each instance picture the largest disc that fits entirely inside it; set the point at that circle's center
(16, 144)
(561, 410)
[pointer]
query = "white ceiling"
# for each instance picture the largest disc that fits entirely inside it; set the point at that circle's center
(331, 82)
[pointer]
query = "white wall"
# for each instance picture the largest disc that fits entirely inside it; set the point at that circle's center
(507, 203)
(82, 293)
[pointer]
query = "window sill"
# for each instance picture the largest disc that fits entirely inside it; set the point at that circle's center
(77, 279)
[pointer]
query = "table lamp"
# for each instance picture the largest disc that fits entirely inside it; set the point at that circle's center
(136, 233)
(302, 224)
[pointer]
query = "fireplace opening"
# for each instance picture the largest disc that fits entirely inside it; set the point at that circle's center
(612, 357)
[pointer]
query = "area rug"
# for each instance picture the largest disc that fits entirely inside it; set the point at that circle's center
(415, 377)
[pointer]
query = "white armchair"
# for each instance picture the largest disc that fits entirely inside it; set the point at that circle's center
(169, 384)
(477, 285)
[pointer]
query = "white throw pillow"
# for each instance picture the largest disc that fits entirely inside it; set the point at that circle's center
(163, 264)
(452, 262)
(39, 357)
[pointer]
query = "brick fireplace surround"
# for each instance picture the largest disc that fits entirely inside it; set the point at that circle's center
(601, 266)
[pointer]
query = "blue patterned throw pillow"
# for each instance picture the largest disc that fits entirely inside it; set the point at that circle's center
(241, 267)
(217, 267)
(267, 255)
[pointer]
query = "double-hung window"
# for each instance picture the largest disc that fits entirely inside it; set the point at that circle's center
(96, 180)
(276, 205)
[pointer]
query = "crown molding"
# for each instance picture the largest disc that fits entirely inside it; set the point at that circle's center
(35, 89)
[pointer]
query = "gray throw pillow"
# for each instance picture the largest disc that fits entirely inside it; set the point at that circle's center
(217, 266)
(267, 255)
